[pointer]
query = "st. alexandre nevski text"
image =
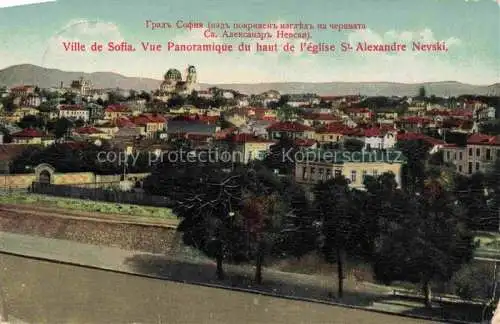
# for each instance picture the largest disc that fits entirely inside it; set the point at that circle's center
(291, 38)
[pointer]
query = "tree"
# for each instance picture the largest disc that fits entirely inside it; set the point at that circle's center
(422, 92)
(339, 218)
(176, 101)
(279, 153)
(62, 127)
(353, 145)
(31, 121)
(424, 240)
(413, 173)
(262, 217)
(288, 113)
(79, 123)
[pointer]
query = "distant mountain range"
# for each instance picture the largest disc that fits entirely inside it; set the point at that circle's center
(46, 78)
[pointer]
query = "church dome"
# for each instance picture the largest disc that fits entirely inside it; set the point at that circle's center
(173, 74)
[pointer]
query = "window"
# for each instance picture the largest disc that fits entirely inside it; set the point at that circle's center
(478, 152)
(470, 152)
(313, 170)
(448, 155)
(338, 173)
(460, 156)
(353, 176)
(488, 154)
(303, 172)
(321, 173)
(470, 168)
(477, 166)
(328, 174)
(459, 168)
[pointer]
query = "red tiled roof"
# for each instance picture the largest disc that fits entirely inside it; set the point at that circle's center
(22, 88)
(289, 127)
(334, 128)
(358, 110)
(30, 132)
(124, 122)
(247, 138)
(409, 136)
(144, 119)
(483, 139)
(117, 108)
(88, 131)
(461, 113)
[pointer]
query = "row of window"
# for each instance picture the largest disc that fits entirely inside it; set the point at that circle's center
(488, 154)
(327, 174)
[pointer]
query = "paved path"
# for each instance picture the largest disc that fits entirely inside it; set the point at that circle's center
(200, 272)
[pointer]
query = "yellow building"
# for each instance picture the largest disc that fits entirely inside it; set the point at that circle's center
(247, 147)
(32, 136)
(478, 155)
(332, 133)
(25, 111)
(314, 166)
(113, 112)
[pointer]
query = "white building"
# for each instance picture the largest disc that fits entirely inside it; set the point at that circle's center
(74, 112)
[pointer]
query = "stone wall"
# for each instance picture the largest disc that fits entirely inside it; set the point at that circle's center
(16, 180)
(146, 238)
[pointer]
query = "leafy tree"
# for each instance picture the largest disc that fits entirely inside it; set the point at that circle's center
(413, 173)
(353, 145)
(176, 101)
(115, 97)
(281, 156)
(69, 98)
(422, 93)
(474, 281)
(31, 121)
(8, 103)
(288, 113)
(144, 95)
(471, 193)
(339, 217)
(62, 127)
(425, 241)
(79, 123)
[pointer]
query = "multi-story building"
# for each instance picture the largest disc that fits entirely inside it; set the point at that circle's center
(478, 155)
(32, 136)
(292, 130)
(331, 133)
(247, 147)
(74, 112)
(378, 138)
(151, 123)
(113, 112)
(313, 166)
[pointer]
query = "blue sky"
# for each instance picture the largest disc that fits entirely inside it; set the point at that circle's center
(34, 34)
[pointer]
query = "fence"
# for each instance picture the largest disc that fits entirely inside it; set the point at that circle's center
(100, 194)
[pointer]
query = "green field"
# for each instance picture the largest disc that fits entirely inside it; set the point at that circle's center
(90, 206)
